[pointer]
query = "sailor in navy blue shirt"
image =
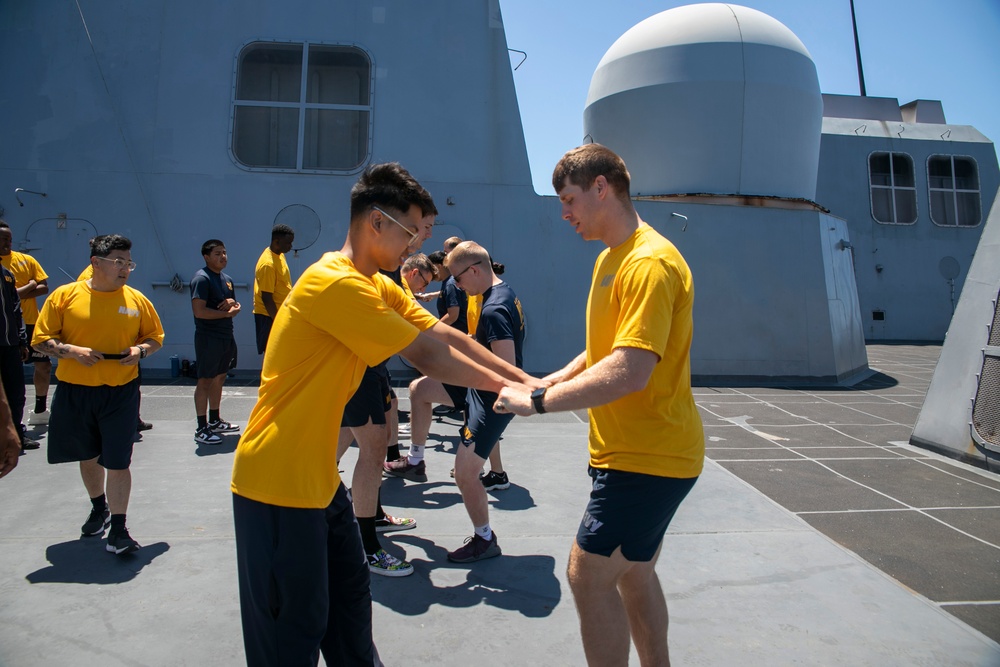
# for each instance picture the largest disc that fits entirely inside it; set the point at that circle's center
(13, 352)
(501, 330)
(214, 304)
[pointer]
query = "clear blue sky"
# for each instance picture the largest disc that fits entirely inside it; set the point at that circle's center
(946, 50)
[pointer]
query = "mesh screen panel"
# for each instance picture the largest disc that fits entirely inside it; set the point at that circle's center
(986, 413)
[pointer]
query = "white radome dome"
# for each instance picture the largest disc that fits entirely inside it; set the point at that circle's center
(711, 98)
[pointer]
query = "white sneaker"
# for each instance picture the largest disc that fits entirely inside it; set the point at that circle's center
(38, 418)
(404, 431)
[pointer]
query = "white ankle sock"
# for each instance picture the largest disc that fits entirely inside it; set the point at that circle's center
(415, 455)
(485, 532)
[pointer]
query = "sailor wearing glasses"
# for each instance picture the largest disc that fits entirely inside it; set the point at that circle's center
(99, 329)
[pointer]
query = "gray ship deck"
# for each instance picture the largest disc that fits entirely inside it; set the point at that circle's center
(816, 536)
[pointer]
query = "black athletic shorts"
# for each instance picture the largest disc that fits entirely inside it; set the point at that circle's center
(485, 426)
(93, 421)
(370, 402)
(34, 356)
(215, 356)
(629, 510)
(262, 325)
(457, 396)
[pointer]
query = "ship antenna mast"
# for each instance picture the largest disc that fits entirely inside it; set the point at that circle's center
(857, 51)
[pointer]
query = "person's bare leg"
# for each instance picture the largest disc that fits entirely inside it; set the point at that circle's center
(202, 391)
(646, 608)
(119, 490)
(392, 423)
(467, 467)
(42, 376)
(93, 477)
(215, 391)
(604, 625)
(424, 393)
(496, 463)
(344, 439)
(368, 470)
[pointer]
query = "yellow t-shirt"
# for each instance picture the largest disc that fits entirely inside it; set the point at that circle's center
(86, 274)
(271, 275)
(472, 312)
(641, 297)
(25, 268)
(335, 323)
(103, 321)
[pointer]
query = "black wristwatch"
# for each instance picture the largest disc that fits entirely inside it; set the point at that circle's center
(538, 398)
(142, 351)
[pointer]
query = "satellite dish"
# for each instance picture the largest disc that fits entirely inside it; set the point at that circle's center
(949, 268)
(304, 222)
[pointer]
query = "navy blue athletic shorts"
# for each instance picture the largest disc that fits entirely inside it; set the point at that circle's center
(93, 421)
(262, 327)
(370, 402)
(215, 356)
(33, 355)
(485, 426)
(629, 510)
(457, 396)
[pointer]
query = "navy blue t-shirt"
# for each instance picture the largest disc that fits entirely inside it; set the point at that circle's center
(501, 318)
(213, 288)
(451, 296)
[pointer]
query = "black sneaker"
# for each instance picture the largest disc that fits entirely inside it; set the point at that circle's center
(97, 522)
(28, 443)
(206, 436)
(495, 481)
(142, 426)
(476, 548)
(402, 467)
(121, 542)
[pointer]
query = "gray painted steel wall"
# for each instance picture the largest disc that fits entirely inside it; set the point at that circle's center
(944, 420)
(130, 134)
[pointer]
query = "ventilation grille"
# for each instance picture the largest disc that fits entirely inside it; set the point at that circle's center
(986, 409)
(995, 331)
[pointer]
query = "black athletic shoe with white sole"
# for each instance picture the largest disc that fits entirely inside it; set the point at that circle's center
(97, 522)
(121, 542)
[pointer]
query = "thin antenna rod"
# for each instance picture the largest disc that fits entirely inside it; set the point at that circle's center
(857, 51)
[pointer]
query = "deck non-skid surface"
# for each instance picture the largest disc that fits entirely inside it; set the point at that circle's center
(816, 536)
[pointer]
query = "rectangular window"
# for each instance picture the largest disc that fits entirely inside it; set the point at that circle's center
(319, 122)
(953, 189)
(893, 189)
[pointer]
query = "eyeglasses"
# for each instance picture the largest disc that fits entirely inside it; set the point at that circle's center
(119, 263)
(414, 236)
(427, 281)
(458, 276)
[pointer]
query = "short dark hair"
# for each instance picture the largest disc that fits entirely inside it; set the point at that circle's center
(582, 165)
(208, 246)
(437, 257)
(389, 185)
(281, 230)
(102, 246)
(419, 261)
(4, 225)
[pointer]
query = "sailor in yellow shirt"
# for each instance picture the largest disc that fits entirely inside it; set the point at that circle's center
(647, 447)
(271, 283)
(304, 580)
(141, 425)
(31, 282)
(99, 329)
